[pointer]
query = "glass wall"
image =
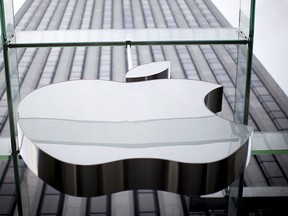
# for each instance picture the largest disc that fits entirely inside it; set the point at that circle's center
(50, 44)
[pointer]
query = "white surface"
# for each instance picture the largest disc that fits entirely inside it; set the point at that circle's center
(148, 69)
(271, 33)
(230, 9)
(17, 4)
(93, 122)
(95, 100)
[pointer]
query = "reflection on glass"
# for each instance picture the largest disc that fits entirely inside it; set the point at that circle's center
(5, 148)
(10, 58)
(9, 18)
(245, 16)
(14, 79)
(121, 36)
(242, 95)
(204, 139)
(240, 113)
(270, 142)
(13, 99)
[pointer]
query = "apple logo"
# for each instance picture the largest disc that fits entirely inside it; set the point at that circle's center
(94, 137)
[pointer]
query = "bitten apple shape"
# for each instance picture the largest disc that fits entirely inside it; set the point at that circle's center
(92, 137)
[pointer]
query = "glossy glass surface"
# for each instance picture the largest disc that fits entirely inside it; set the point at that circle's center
(10, 70)
(13, 99)
(245, 16)
(270, 143)
(9, 18)
(5, 148)
(10, 59)
(122, 36)
(241, 85)
(51, 39)
(14, 79)
(242, 94)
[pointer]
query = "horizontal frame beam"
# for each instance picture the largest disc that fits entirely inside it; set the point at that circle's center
(121, 37)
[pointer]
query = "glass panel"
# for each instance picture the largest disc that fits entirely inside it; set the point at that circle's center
(121, 37)
(5, 145)
(270, 143)
(5, 148)
(12, 100)
(9, 18)
(241, 79)
(7, 188)
(10, 62)
(245, 16)
(242, 94)
(202, 36)
(26, 188)
(14, 80)
(235, 196)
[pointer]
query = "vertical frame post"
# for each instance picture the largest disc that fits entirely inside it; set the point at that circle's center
(6, 36)
(243, 87)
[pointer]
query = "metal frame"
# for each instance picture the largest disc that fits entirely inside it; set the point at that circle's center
(122, 37)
